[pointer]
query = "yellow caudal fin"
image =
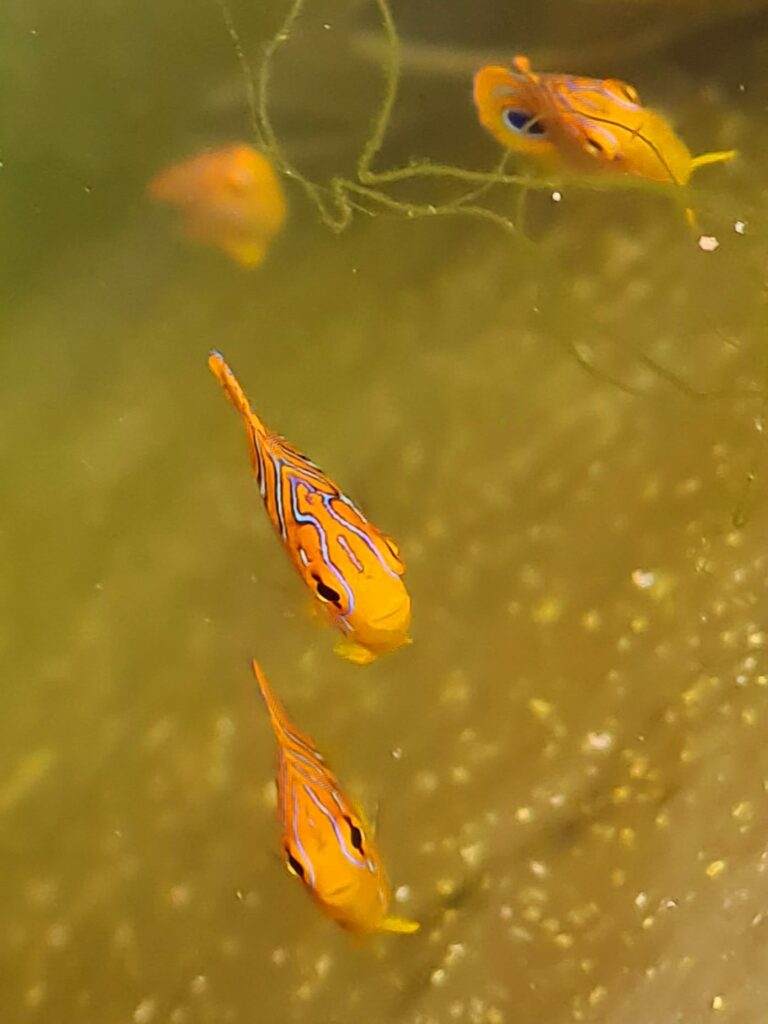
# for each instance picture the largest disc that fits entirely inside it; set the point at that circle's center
(399, 925)
(718, 157)
(354, 652)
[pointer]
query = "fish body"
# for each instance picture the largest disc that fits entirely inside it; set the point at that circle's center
(352, 569)
(325, 843)
(230, 198)
(585, 125)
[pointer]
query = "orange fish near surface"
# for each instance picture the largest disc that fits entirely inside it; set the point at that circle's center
(353, 570)
(325, 843)
(231, 199)
(586, 125)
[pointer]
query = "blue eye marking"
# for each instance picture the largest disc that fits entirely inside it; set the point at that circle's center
(523, 123)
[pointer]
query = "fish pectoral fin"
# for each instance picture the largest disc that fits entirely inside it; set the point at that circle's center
(399, 925)
(354, 652)
(718, 157)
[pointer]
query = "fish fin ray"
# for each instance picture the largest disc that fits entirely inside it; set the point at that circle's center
(717, 157)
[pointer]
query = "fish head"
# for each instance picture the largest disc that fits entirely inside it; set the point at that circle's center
(512, 107)
(586, 125)
(354, 570)
(330, 849)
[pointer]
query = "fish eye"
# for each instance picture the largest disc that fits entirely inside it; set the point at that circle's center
(293, 865)
(522, 122)
(326, 593)
(593, 147)
(355, 835)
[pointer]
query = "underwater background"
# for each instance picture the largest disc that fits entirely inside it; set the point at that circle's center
(563, 429)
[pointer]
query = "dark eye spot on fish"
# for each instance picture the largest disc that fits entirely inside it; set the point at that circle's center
(594, 147)
(522, 122)
(326, 593)
(294, 866)
(355, 836)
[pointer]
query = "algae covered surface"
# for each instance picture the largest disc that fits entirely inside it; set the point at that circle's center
(564, 432)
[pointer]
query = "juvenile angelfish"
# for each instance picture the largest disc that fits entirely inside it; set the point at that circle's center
(351, 568)
(586, 125)
(230, 198)
(325, 843)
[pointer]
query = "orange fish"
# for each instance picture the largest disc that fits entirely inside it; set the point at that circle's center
(231, 198)
(350, 567)
(587, 125)
(325, 843)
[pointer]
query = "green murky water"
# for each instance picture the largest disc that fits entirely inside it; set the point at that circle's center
(567, 441)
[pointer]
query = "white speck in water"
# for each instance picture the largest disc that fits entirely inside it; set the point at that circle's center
(179, 896)
(438, 976)
(472, 854)
(402, 893)
(279, 956)
(556, 197)
(708, 243)
(198, 985)
(643, 579)
(145, 1011)
(425, 782)
(740, 227)
(397, 753)
(641, 900)
(601, 741)
(323, 965)
(456, 951)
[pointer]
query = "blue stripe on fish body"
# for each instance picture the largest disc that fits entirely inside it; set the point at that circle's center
(351, 857)
(325, 555)
(327, 499)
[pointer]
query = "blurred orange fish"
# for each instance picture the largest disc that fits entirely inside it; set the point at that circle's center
(352, 569)
(586, 125)
(325, 843)
(231, 198)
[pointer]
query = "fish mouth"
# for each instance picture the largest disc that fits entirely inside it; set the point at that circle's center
(395, 617)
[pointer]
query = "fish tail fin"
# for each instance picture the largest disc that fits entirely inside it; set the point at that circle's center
(234, 392)
(399, 925)
(254, 428)
(274, 707)
(718, 157)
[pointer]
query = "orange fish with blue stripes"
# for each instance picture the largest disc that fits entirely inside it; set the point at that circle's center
(586, 125)
(325, 842)
(230, 198)
(352, 569)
